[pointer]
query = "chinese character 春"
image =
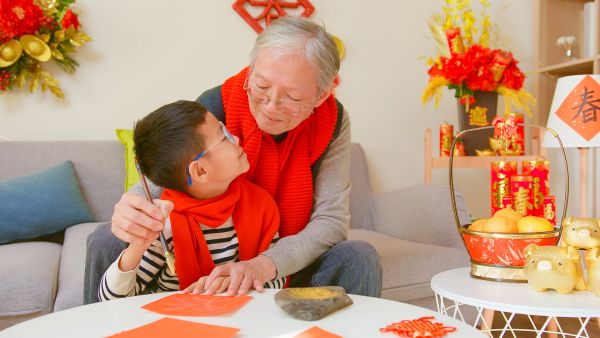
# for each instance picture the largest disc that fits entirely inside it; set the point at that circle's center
(587, 109)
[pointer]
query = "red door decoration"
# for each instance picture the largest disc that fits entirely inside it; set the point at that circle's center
(270, 10)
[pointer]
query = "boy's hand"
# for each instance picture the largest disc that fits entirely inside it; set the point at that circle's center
(219, 285)
(245, 275)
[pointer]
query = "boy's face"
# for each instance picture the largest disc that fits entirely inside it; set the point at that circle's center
(225, 160)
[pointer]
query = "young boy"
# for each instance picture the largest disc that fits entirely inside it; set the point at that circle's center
(217, 217)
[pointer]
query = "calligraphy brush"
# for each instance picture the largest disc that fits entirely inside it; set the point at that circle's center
(168, 255)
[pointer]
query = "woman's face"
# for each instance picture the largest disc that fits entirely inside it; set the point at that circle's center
(282, 91)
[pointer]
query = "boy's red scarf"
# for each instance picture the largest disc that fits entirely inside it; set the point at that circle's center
(281, 168)
(255, 219)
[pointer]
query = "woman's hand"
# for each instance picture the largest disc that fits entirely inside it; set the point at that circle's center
(244, 275)
(219, 285)
(137, 221)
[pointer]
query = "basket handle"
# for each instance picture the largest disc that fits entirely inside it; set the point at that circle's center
(451, 176)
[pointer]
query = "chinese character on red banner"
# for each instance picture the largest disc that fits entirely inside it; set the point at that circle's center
(581, 108)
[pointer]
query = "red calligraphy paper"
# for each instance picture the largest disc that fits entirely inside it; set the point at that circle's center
(186, 304)
(171, 327)
(317, 332)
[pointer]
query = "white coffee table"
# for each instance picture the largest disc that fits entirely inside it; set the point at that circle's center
(456, 289)
(259, 318)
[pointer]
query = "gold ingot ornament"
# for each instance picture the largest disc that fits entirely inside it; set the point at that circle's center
(36, 48)
(10, 52)
(551, 267)
(340, 46)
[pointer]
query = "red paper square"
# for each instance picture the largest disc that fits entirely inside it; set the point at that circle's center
(171, 327)
(316, 332)
(581, 108)
(186, 304)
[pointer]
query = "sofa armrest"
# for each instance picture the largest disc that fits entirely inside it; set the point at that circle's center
(421, 214)
(72, 266)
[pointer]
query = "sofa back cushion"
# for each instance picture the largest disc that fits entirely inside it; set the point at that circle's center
(41, 204)
(361, 194)
(99, 166)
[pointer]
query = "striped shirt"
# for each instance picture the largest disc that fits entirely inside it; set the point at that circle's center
(152, 275)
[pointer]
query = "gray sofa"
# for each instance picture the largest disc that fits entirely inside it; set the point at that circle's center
(412, 229)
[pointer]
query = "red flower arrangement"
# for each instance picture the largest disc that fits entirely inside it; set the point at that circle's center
(18, 17)
(475, 67)
(33, 32)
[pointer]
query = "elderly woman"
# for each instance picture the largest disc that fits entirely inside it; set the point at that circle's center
(297, 137)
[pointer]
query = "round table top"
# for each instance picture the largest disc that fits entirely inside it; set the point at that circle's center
(260, 317)
(459, 286)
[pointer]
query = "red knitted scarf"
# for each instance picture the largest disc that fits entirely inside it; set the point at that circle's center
(282, 168)
(255, 219)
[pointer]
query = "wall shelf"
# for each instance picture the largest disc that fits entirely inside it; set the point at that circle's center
(579, 66)
(470, 162)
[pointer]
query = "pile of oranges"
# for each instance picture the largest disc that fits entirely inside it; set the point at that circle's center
(510, 221)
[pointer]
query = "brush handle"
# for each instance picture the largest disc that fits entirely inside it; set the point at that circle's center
(168, 255)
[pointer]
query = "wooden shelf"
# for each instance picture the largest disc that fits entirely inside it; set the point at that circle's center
(573, 67)
(471, 162)
(475, 162)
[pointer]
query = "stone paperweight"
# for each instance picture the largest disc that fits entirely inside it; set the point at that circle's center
(312, 303)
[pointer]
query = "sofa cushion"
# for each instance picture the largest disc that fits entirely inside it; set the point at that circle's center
(410, 265)
(72, 266)
(29, 278)
(125, 136)
(41, 204)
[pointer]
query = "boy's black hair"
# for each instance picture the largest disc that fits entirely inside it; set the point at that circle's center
(167, 140)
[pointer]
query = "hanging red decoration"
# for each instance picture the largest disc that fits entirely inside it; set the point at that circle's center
(269, 11)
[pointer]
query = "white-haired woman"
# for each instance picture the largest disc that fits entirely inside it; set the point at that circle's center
(297, 137)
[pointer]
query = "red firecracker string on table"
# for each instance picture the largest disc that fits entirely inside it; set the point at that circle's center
(418, 328)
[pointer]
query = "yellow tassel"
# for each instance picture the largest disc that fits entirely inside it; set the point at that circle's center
(433, 88)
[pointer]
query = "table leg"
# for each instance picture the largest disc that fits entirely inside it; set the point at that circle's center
(552, 326)
(488, 320)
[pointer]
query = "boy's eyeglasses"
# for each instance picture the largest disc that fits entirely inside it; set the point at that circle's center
(226, 135)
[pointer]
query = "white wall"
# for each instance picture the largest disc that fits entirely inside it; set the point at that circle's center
(147, 53)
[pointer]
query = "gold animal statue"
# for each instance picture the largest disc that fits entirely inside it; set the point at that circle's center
(551, 267)
(592, 260)
(580, 234)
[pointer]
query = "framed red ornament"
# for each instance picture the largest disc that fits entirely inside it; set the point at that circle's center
(269, 10)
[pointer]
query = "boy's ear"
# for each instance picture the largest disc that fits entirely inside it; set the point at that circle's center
(198, 172)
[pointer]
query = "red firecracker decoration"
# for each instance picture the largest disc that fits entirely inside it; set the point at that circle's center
(269, 10)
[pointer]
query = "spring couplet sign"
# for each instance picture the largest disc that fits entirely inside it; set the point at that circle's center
(581, 108)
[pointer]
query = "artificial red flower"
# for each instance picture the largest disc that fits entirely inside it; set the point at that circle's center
(18, 17)
(513, 77)
(70, 19)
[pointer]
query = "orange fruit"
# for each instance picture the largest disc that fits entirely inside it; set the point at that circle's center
(500, 224)
(478, 224)
(509, 213)
(534, 224)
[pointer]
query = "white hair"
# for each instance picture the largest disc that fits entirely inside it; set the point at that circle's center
(298, 35)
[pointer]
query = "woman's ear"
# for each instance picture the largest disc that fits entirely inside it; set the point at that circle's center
(324, 95)
(198, 172)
